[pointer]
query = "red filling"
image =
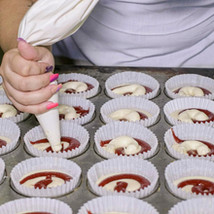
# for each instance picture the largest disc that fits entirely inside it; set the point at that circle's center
(206, 92)
(209, 114)
(194, 152)
(89, 212)
(71, 91)
(121, 151)
(148, 90)
(121, 185)
(48, 178)
(2, 143)
(201, 186)
(73, 144)
(37, 213)
(79, 110)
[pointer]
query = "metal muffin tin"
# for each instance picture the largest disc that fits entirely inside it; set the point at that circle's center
(161, 199)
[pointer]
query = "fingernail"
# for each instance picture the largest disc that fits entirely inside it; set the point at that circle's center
(54, 77)
(52, 105)
(59, 87)
(20, 39)
(48, 69)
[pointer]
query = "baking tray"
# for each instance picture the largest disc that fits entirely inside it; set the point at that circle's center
(161, 199)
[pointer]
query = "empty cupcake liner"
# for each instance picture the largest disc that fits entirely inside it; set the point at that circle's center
(82, 78)
(122, 165)
(79, 101)
(194, 80)
(10, 130)
(199, 132)
(131, 77)
(68, 129)
(122, 204)
(35, 205)
(194, 206)
(117, 129)
(19, 117)
(178, 105)
(187, 168)
(2, 170)
(135, 103)
(45, 163)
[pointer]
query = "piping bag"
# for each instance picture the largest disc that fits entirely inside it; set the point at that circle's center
(45, 23)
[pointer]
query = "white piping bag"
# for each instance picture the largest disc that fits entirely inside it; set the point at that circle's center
(45, 23)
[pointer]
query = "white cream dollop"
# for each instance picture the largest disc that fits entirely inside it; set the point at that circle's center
(75, 85)
(6, 139)
(68, 111)
(7, 111)
(191, 91)
(135, 89)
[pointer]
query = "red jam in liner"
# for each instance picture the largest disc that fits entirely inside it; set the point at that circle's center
(48, 178)
(209, 114)
(71, 91)
(148, 90)
(206, 92)
(79, 110)
(194, 152)
(37, 213)
(142, 116)
(201, 186)
(121, 185)
(2, 143)
(73, 144)
(120, 151)
(89, 212)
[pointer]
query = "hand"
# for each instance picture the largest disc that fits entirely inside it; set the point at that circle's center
(25, 77)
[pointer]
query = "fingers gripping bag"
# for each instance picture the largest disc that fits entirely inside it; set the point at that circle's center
(46, 23)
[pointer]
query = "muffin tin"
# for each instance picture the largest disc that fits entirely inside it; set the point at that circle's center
(161, 199)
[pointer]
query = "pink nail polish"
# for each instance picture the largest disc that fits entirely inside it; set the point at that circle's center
(52, 105)
(54, 77)
(20, 39)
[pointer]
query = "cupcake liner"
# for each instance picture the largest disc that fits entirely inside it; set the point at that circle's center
(2, 92)
(130, 77)
(135, 103)
(82, 78)
(10, 130)
(35, 205)
(187, 168)
(123, 165)
(183, 80)
(2, 170)
(19, 117)
(187, 103)
(189, 132)
(122, 204)
(117, 128)
(68, 129)
(194, 206)
(45, 163)
(82, 102)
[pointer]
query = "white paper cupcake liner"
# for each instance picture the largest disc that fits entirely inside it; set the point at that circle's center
(82, 102)
(68, 129)
(187, 103)
(2, 92)
(135, 103)
(35, 205)
(131, 77)
(189, 132)
(2, 170)
(19, 117)
(81, 78)
(117, 128)
(45, 163)
(122, 204)
(121, 165)
(183, 80)
(194, 206)
(10, 130)
(187, 168)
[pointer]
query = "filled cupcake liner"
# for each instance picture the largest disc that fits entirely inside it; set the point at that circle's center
(121, 204)
(82, 102)
(135, 103)
(187, 168)
(19, 117)
(117, 128)
(81, 78)
(35, 205)
(187, 103)
(189, 132)
(68, 129)
(45, 163)
(131, 77)
(123, 165)
(2, 170)
(10, 130)
(194, 206)
(183, 80)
